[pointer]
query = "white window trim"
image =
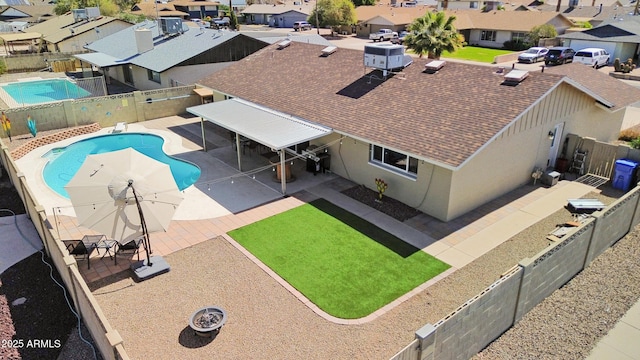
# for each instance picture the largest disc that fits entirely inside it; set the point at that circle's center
(377, 163)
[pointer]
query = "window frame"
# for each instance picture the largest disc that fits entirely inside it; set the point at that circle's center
(519, 36)
(154, 76)
(492, 36)
(382, 157)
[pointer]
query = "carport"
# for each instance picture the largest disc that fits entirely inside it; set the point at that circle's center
(276, 130)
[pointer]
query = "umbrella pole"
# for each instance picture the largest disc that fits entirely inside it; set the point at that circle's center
(145, 233)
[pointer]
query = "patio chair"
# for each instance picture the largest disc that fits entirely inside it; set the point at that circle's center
(83, 249)
(132, 247)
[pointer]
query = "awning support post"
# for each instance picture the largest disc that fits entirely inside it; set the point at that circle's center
(238, 151)
(283, 172)
(204, 138)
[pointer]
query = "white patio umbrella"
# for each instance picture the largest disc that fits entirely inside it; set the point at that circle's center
(125, 194)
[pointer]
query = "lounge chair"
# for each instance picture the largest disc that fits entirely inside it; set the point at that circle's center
(120, 127)
(83, 248)
(132, 246)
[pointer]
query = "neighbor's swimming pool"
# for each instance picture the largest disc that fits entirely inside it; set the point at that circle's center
(43, 91)
(64, 162)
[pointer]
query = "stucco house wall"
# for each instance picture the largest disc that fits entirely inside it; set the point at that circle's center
(501, 37)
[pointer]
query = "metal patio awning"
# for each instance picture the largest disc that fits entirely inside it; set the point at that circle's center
(268, 127)
(260, 124)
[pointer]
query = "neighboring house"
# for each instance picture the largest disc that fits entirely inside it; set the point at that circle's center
(281, 16)
(493, 29)
(620, 38)
(72, 31)
(145, 57)
(595, 15)
(30, 14)
(157, 9)
(445, 141)
(199, 9)
(373, 18)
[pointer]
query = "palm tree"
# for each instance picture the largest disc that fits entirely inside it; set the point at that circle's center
(432, 34)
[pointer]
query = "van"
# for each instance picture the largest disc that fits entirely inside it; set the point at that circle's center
(592, 56)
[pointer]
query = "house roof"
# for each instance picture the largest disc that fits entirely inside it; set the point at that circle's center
(150, 9)
(616, 31)
(33, 13)
(504, 20)
(436, 117)
(393, 15)
(60, 28)
(195, 3)
(277, 9)
(607, 87)
(274, 36)
(588, 12)
(120, 48)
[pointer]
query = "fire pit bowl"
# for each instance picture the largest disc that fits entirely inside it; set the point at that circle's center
(207, 320)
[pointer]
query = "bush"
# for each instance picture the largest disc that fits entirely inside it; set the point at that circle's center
(516, 45)
(629, 135)
(635, 143)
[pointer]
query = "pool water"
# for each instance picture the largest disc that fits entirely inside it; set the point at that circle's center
(43, 91)
(64, 162)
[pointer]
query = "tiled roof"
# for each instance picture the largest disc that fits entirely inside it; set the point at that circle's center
(618, 31)
(150, 9)
(609, 88)
(444, 117)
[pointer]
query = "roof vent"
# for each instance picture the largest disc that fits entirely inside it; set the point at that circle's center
(284, 43)
(329, 50)
(432, 67)
(515, 77)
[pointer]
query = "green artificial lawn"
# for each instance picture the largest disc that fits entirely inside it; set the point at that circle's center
(474, 53)
(345, 265)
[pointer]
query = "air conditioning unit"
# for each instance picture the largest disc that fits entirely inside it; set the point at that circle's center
(171, 26)
(92, 12)
(384, 56)
(79, 14)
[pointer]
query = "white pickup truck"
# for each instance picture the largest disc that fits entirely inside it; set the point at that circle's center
(382, 35)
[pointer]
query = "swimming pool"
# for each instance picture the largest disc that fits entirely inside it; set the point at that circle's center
(43, 91)
(64, 162)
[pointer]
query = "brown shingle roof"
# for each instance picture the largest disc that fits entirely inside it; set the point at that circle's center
(445, 117)
(611, 89)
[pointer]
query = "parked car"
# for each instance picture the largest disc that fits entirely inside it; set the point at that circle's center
(592, 56)
(559, 55)
(301, 26)
(533, 55)
(383, 34)
(400, 38)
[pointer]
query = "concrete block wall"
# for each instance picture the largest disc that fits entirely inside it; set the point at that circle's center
(35, 62)
(552, 268)
(476, 323)
(613, 223)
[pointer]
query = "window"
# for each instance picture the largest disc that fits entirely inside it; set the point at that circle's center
(394, 160)
(153, 76)
(488, 35)
(473, 5)
(518, 36)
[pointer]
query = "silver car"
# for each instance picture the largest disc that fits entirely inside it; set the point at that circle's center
(533, 55)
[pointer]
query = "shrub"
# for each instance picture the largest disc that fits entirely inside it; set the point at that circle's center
(635, 143)
(629, 135)
(516, 45)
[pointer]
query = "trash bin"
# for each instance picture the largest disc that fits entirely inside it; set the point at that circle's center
(623, 174)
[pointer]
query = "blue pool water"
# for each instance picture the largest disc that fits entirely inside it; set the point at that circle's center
(42, 91)
(64, 162)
